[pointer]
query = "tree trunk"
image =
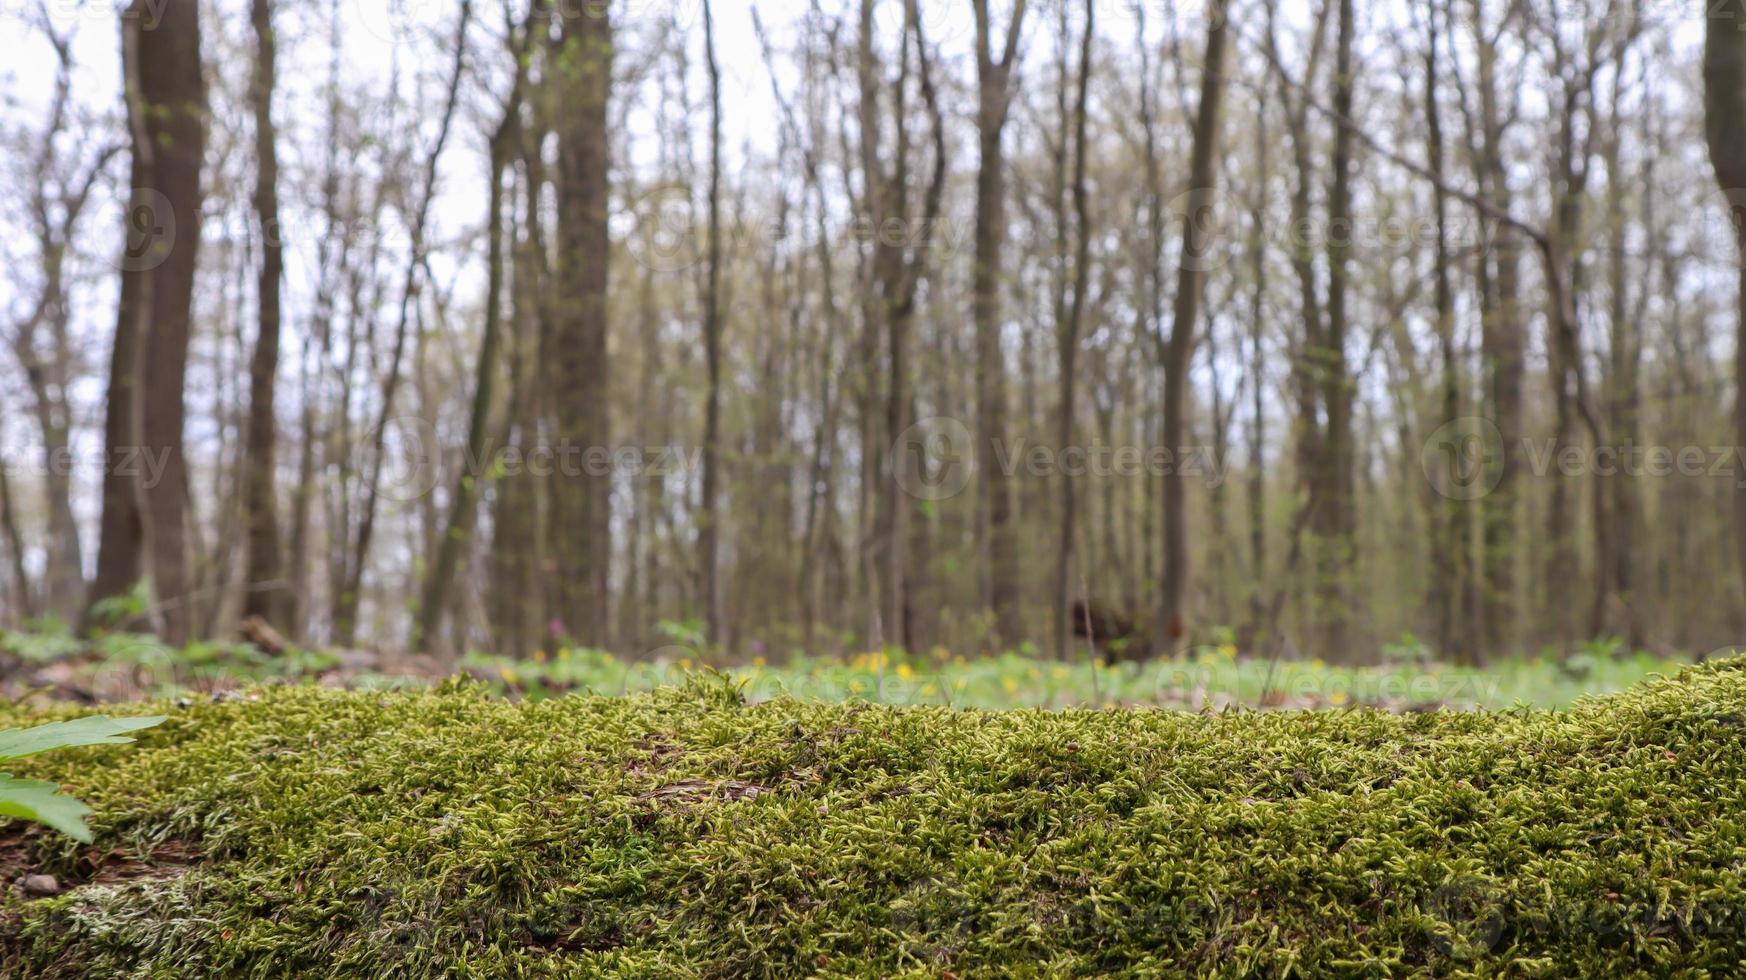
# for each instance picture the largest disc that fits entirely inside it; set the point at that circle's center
(1184, 317)
(1449, 567)
(173, 93)
(456, 542)
(1503, 345)
(352, 586)
(999, 548)
(708, 530)
(1335, 513)
(1257, 484)
(1725, 130)
(24, 604)
(581, 494)
(1067, 333)
(264, 589)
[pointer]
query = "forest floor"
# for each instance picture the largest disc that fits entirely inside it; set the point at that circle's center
(294, 831)
(53, 665)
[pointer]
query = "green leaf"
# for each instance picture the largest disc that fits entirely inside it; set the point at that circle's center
(31, 799)
(92, 730)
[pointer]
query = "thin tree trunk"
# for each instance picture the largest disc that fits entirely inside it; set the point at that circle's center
(998, 553)
(1067, 333)
(1257, 486)
(1503, 344)
(24, 603)
(264, 590)
(1335, 513)
(709, 531)
(351, 594)
(456, 542)
(1449, 568)
(1184, 324)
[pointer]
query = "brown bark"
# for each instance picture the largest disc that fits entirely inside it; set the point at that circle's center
(998, 546)
(455, 543)
(1257, 484)
(1178, 352)
(1725, 131)
(1335, 515)
(898, 265)
(121, 533)
(1450, 566)
(265, 589)
(173, 95)
(24, 603)
(1067, 331)
(709, 530)
(581, 494)
(1503, 345)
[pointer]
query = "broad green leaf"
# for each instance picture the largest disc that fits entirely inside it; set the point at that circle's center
(93, 730)
(31, 799)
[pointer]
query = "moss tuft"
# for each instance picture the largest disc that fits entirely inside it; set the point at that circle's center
(687, 833)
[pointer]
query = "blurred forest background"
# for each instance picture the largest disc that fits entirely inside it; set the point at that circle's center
(494, 325)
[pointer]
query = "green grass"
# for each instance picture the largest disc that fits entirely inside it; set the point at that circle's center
(121, 666)
(1215, 677)
(688, 833)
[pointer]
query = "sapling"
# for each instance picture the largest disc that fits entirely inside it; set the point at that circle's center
(31, 799)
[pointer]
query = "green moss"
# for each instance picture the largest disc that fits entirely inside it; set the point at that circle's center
(682, 833)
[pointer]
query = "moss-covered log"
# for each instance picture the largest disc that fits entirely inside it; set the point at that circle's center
(683, 833)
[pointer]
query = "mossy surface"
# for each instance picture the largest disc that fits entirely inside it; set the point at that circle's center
(683, 833)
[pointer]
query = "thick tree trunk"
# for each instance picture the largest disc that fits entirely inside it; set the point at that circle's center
(173, 92)
(581, 493)
(1725, 129)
